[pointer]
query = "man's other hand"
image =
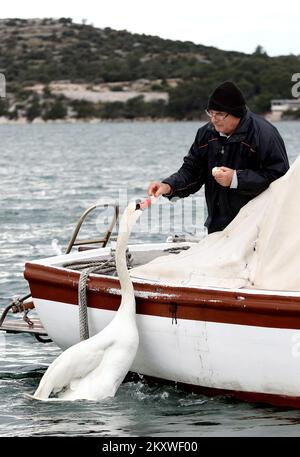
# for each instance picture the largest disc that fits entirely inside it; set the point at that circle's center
(224, 176)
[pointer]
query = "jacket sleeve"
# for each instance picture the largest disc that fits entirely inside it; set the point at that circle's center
(274, 164)
(191, 176)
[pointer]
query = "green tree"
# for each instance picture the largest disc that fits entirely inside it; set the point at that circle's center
(259, 51)
(56, 111)
(84, 109)
(34, 109)
(113, 110)
(3, 107)
(188, 100)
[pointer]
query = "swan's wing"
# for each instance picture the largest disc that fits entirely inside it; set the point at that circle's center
(74, 363)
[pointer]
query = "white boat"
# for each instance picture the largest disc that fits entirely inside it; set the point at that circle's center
(241, 342)
(242, 339)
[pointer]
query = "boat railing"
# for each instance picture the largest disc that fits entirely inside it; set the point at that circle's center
(32, 326)
(25, 304)
(102, 241)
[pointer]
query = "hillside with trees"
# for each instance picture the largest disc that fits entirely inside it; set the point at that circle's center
(178, 76)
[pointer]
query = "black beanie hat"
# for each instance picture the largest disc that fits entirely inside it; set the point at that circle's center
(227, 97)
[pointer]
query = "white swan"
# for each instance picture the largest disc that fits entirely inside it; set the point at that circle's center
(93, 369)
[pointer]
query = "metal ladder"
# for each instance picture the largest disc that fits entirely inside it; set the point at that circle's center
(106, 236)
(24, 304)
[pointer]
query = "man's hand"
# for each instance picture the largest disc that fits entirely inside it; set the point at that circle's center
(157, 188)
(223, 176)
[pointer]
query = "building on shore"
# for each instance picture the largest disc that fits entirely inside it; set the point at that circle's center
(280, 106)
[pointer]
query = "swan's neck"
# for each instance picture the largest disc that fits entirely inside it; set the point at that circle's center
(128, 299)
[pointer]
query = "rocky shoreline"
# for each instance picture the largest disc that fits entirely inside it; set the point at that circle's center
(69, 120)
(40, 121)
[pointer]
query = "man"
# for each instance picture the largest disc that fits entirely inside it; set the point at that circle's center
(236, 156)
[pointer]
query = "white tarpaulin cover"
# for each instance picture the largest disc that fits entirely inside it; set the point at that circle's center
(259, 249)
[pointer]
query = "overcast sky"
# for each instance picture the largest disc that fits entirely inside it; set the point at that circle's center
(225, 24)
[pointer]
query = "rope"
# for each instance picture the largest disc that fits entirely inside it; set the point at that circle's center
(82, 301)
(16, 306)
(87, 267)
(104, 266)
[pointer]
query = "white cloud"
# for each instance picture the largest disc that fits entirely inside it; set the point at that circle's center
(225, 24)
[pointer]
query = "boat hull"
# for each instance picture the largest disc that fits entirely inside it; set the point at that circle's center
(244, 343)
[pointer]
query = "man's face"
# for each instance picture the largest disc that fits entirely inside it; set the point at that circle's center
(223, 122)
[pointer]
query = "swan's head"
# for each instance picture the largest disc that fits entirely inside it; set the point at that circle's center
(143, 204)
(130, 216)
(137, 205)
(133, 207)
(133, 212)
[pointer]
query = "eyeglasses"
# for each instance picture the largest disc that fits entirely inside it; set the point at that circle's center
(217, 115)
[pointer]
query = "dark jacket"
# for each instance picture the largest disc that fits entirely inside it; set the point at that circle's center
(256, 150)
